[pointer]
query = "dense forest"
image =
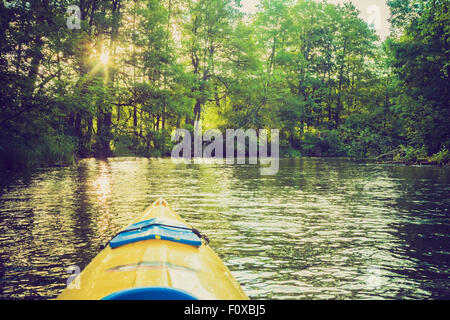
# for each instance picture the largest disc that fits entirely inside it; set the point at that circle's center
(122, 78)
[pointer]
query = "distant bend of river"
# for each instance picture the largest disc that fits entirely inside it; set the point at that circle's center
(318, 229)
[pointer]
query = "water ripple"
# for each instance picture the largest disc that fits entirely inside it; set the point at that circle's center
(319, 229)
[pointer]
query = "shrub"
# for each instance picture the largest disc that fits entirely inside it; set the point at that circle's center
(291, 153)
(441, 157)
(410, 154)
(57, 150)
(310, 143)
(124, 145)
(161, 143)
(18, 153)
(327, 143)
(331, 143)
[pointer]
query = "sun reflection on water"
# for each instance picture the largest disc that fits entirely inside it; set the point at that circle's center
(102, 188)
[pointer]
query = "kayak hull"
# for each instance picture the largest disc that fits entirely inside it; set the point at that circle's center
(156, 264)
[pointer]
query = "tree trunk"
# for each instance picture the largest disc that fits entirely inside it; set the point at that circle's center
(105, 112)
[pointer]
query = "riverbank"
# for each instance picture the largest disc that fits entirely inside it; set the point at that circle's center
(410, 156)
(388, 161)
(422, 162)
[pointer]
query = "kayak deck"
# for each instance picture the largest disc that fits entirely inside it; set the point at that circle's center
(161, 266)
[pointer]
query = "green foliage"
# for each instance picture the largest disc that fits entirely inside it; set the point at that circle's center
(332, 144)
(160, 142)
(54, 150)
(420, 59)
(124, 146)
(311, 69)
(310, 144)
(326, 143)
(290, 152)
(441, 157)
(363, 136)
(48, 150)
(410, 154)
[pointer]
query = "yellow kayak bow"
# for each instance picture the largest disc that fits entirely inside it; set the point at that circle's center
(157, 257)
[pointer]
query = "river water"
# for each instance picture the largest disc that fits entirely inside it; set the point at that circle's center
(319, 229)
